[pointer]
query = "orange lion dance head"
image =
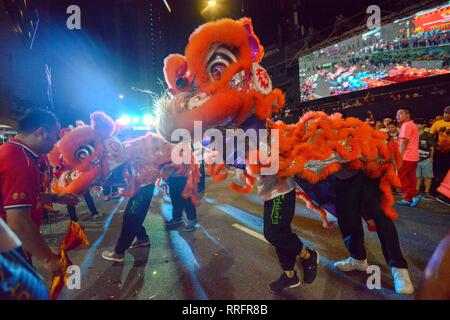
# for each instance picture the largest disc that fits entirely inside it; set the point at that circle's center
(218, 81)
(85, 154)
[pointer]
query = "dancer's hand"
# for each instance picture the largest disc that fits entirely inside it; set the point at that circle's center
(53, 263)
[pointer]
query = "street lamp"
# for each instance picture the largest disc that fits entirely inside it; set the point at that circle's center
(211, 4)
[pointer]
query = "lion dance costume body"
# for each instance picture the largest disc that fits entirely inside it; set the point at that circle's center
(219, 81)
(89, 155)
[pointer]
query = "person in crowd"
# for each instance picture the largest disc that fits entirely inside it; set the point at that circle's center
(179, 204)
(445, 62)
(392, 131)
(408, 140)
(202, 182)
(18, 279)
(424, 171)
(378, 125)
(22, 193)
(386, 121)
(133, 225)
(110, 193)
(440, 130)
(356, 192)
(370, 118)
(279, 209)
(95, 215)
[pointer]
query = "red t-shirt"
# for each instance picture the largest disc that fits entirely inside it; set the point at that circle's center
(20, 180)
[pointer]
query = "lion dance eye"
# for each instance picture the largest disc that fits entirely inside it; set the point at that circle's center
(219, 60)
(84, 151)
(216, 71)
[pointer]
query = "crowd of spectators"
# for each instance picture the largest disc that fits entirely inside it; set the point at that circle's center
(430, 141)
(347, 66)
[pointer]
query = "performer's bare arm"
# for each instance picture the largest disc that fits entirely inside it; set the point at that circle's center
(19, 220)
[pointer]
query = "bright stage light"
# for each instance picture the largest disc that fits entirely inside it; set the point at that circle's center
(210, 5)
(136, 120)
(124, 120)
(148, 120)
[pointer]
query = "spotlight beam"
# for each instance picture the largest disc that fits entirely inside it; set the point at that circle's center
(167, 6)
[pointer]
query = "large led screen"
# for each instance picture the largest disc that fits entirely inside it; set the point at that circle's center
(406, 49)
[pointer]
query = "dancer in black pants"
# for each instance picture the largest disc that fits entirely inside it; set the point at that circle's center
(132, 225)
(180, 204)
(109, 193)
(278, 214)
(353, 195)
(202, 182)
(91, 205)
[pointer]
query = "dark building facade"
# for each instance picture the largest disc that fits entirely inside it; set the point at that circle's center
(121, 45)
(286, 27)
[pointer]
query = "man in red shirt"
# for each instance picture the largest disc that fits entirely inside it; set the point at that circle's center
(21, 183)
(408, 140)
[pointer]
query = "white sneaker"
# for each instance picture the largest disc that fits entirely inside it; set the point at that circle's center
(351, 264)
(96, 217)
(402, 282)
(113, 256)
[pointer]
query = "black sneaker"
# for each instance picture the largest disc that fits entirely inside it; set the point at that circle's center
(115, 195)
(284, 282)
(190, 225)
(443, 199)
(173, 222)
(310, 266)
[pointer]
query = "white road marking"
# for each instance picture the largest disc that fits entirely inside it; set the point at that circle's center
(250, 232)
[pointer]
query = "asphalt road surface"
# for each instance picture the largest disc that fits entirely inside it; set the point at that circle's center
(227, 257)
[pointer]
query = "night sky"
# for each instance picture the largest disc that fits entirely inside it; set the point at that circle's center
(92, 66)
(318, 14)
